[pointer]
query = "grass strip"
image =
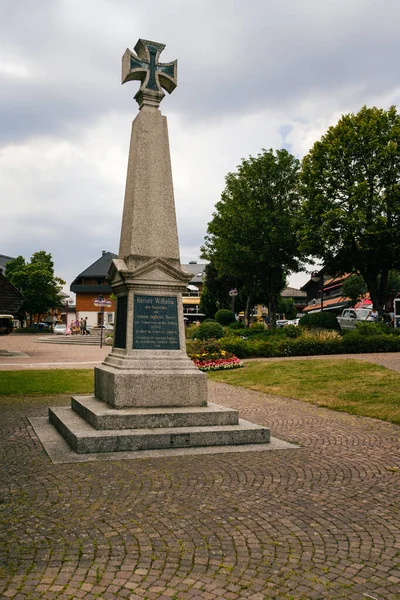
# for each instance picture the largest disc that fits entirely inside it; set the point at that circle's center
(348, 385)
(53, 381)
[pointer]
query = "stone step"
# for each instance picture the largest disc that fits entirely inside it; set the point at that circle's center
(79, 340)
(101, 416)
(83, 438)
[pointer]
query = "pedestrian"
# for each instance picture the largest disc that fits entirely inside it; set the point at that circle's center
(372, 315)
(81, 326)
(84, 327)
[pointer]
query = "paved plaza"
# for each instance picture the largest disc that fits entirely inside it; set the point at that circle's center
(319, 522)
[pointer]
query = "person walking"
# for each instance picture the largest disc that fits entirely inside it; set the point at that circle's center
(84, 326)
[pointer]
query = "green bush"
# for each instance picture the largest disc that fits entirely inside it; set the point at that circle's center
(208, 330)
(236, 345)
(366, 328)
(354, 343)
(257, 326)
(320, 320)
(224, 316)
(237, 325)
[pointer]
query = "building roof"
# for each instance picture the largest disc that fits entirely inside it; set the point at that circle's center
(100, 267)
(11, 299)
(4, 260)
(290, 292)
(196, 269)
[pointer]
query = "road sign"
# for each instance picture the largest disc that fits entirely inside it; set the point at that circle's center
(102, 303)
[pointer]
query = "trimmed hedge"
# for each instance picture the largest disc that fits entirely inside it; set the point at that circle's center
(208, 330)
(351, 343)
(320, 320)
(224, 316)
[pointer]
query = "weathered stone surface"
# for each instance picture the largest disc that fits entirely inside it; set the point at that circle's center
(101, 416)
(123, 388)
(83, 438)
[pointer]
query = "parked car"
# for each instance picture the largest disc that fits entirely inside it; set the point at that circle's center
(41, 326)
(294, 322)
(351, 316)
(60, 329)
(281, 322)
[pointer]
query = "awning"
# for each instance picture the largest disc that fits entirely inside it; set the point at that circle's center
(192, 288)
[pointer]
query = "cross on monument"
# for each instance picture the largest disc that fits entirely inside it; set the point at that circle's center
(144, 66)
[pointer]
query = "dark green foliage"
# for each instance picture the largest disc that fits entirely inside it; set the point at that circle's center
(355, 288)
(351, 185)
(253, 235)
(287, 307)
(354, 342)
(320, 320)
(237, 325)
(208, 330)
(367, 329)
(36, 281)
(224, 317)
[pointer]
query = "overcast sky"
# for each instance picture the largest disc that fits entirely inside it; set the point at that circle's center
(251, 74)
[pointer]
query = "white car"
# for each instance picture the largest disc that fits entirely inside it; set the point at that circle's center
(60, 329)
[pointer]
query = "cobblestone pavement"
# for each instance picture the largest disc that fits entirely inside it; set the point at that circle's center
(321, 522)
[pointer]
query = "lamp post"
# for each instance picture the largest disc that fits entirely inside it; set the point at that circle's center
(316, 276)
(233, 293)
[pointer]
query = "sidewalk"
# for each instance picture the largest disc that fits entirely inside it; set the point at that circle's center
(48, 356)
(317, 523)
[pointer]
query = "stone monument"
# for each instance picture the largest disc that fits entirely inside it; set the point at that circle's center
(148, 393)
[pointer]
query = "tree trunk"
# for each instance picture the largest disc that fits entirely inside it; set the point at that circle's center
(371, 279)
(249, 305)
(272, 304)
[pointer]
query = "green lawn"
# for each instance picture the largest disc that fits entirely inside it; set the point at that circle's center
(39, 383)
(348, 385)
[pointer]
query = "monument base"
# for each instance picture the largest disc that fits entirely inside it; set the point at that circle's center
(91, 426)
(122, 388)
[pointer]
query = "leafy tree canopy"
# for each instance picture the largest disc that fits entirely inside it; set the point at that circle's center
(253, 235)
(351, 184)
(36, 281)
(354, 287)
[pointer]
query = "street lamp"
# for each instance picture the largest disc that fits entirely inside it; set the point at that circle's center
(233, 293)
(316, 276)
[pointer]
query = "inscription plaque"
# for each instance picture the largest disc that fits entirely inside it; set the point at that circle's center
(120, 322)
(155, 323)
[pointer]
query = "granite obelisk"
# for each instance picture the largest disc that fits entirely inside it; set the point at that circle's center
(148, 393)
(148, 365)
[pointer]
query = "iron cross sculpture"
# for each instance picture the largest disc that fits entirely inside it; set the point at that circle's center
(144, 66)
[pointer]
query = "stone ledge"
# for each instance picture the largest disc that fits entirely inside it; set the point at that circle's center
(83, 438)
(59, 452)
(101, 416)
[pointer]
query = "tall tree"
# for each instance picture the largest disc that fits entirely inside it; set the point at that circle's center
(252, 236)
(351, 184)
(36, 281)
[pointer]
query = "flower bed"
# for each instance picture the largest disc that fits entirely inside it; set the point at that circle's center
(218, 364)
(208, 356)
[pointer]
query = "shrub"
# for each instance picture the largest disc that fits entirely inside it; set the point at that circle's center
(355, 343)
(237, 325)
(257, 326)
(235, 345)
(365, 328)
(208, 330)
(320, 320)
(224, 316)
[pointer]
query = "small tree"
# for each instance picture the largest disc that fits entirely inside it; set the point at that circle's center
(36, 281)
(355, 288)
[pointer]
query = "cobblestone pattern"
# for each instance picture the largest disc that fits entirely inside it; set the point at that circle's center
(321, 522)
